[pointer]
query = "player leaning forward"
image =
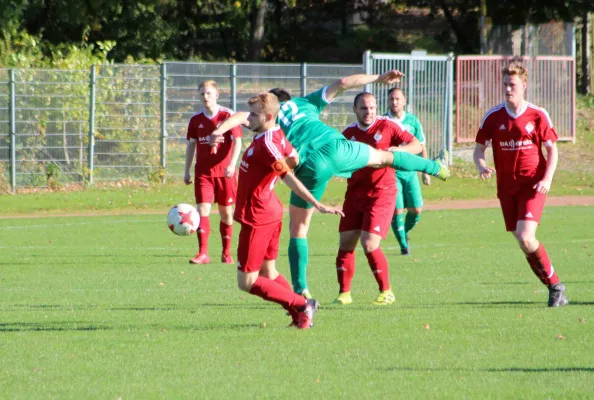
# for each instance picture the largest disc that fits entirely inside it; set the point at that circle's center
(260, 212)
(324, 152)
(518, 130)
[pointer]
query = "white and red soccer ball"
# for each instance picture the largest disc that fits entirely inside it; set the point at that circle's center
(183, 219)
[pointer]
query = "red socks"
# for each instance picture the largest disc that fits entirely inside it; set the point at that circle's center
(203, 233)
(379, 266)
(541, 266)
(345, 269)
(226, 235)
(271, 291)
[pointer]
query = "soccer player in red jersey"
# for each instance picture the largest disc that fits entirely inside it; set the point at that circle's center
(270, 156)
(518, 130)
(370, 199)
(215, 178)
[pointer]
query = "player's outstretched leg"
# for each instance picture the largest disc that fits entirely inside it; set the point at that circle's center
(409, 162)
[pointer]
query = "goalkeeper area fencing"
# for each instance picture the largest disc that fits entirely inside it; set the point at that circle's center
(114, 122)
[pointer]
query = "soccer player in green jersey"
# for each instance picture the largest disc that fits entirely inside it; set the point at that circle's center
(324, 152)
(409, 189)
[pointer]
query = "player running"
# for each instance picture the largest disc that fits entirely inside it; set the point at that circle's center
(215, 179)
(324, 152)
(409, 189)
(518, 130)
(260, 212)
(370, 200)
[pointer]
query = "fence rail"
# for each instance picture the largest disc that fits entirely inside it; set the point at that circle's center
(114, 122)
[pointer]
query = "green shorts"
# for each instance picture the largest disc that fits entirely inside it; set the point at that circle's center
(340, 157)
(409, 192)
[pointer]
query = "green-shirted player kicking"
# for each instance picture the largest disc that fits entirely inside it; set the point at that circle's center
(324, 152)
(409, 189)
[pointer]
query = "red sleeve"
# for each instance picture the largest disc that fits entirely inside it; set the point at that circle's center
(484, 134)
(191, 134)
(399, 135)
(275, 145)
(237, 132)
(288, 149)
(546, 131)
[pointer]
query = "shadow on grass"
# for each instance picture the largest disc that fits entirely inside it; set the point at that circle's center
(505, 370)
(49, 327)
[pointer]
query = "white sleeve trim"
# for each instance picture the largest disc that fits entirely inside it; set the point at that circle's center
(324, 95)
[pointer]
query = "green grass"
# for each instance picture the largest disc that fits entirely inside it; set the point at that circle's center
(107, 307)
(127, 197)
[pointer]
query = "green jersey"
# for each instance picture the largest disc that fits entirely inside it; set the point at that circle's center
(413, 125)
(299, 118)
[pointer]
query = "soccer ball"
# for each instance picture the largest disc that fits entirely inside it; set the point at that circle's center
(183, 219)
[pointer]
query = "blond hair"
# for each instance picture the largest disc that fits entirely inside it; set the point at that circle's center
(206, 83)
(516, 68)
(267, 102)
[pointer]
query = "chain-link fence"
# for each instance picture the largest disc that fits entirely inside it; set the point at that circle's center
(116, 122)
(236, 84)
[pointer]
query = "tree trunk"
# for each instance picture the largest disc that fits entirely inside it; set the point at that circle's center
(460, 34)
(255, 49)
(586, 54)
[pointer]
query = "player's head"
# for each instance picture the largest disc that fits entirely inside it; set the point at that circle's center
(263, 110)
(209, 94)
(282, 94)
(396, 101)
(365, 108)
(515, 80)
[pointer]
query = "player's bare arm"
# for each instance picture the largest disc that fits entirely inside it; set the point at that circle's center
(484, 170)
(190, 151)
(544, 185)
(235, 151)
(353, 81)
(414, 147)
(297, 187)
(237, 119)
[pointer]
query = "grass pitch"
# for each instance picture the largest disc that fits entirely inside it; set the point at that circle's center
(108, 307)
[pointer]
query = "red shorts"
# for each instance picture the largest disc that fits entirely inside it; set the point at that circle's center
(524, 205)
(256, 244)
(221, 190)
(369, 214)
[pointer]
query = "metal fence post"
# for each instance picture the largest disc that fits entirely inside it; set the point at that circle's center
(411, 89)
(303, 79)
(233, 78)
(163, 115)
(12, 127)
(450, 104)
(92, 85)
(367, 67)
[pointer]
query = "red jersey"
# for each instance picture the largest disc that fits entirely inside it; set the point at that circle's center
(199, 128)
(517, 144)
(383, 133)
(256, 202)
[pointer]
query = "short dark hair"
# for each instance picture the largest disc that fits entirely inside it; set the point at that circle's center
(357, 97)
(394, 89)
(282, 94)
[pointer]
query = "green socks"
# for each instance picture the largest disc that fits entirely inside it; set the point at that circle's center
(410, 221)
(398, 229)
(298, 258)
(410, 162)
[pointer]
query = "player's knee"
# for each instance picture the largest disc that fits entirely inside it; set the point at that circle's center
(243, 283)
(526, 240)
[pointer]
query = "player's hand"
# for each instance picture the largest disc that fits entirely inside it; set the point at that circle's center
(390, 77)
(543, 187)
(230, 171)
(324, 209)
(485, 172)
(215, 138)
(187, 178)
(427, 179)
